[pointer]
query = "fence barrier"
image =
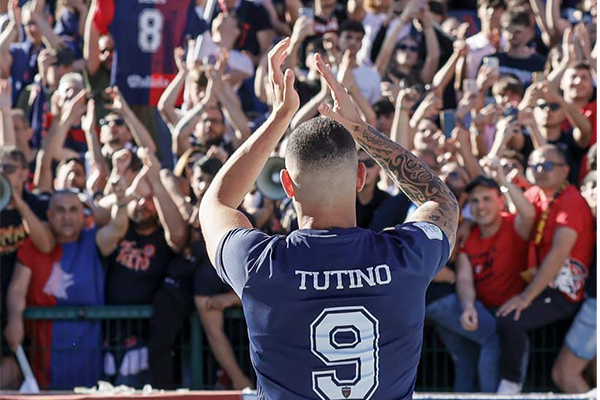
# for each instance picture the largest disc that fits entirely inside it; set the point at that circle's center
(198, 370)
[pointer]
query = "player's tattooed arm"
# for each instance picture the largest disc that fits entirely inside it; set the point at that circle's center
(437, 204)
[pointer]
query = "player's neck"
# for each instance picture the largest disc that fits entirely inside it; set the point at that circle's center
(325, 218)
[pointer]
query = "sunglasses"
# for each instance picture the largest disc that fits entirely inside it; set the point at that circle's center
(414, 49)
(547, 166)
(8, 169)
(116, 121)
(552, 106)
(370, 163)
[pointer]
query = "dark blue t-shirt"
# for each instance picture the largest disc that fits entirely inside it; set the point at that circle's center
(334, 314)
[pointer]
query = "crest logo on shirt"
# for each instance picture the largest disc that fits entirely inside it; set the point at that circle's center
(58, 282)
(346, 391)
(133, 257)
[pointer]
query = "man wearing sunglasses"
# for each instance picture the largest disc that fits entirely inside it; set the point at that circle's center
(560, 253)
(550, 113)
(21, 218)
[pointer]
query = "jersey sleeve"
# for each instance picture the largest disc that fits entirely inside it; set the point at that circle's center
(238, 252)
(425, 247)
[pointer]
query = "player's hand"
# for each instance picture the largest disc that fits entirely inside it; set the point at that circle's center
(14, 333)
(469, 319)
(343, 110)
(517, 304)
(285, 96)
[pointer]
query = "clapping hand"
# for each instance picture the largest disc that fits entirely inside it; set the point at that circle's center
(285, 96)
(343, 110)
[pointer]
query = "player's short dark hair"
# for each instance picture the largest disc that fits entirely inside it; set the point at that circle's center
(320, 143)
(516, 16)
(352, 26)
(14, 154)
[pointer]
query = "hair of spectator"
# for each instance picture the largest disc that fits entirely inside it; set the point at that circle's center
(438, 8)
(582, 64)
(14, 154)
(70, 77)
(552, 148)
(351, 26)
(183, 160)
(320, 144)
(198, 75)
(484, 181)
(491, 4)
(516, 16)
(514, 155)
(315, 46)
(209, 165)
(66, 161)
(63, 192)
(383, 107)
(508, 84)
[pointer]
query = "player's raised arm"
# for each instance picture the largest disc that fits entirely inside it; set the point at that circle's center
(437, 204)
(218, 210)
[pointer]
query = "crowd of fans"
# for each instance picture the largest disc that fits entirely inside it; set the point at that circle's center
(109, 138)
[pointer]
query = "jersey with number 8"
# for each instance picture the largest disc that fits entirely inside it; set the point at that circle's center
(145, 34)
(335, 314)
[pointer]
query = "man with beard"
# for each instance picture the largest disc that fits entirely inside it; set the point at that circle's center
(70, 274)
(137, 264)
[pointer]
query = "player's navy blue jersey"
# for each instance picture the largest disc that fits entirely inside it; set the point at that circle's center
(145, 33)
(335, 314)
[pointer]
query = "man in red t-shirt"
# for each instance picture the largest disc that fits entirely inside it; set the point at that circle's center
(489, 265)
(560, 253)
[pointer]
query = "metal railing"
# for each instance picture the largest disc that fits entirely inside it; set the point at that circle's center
(197, 367)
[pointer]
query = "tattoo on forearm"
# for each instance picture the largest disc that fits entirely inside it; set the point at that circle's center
(413, 176)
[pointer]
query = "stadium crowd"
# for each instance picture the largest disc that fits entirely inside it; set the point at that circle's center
(116, 115)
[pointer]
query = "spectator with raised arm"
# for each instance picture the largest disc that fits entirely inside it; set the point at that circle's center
(560, 253)
(137, 259)
(71, 274)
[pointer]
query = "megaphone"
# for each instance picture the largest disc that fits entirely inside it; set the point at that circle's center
(5, 192)
(269, 182)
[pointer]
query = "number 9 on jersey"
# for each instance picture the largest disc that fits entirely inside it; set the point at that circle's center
(346, 337)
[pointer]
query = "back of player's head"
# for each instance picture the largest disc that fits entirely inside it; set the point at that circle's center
(320, 144)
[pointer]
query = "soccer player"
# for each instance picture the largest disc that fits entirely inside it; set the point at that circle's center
(333, 311)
